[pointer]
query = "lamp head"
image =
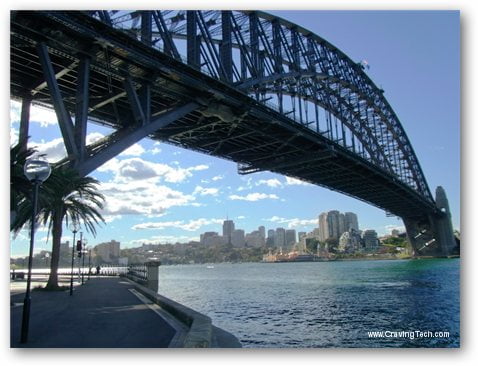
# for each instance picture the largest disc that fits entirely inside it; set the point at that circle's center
(37, 169)
(74, 226)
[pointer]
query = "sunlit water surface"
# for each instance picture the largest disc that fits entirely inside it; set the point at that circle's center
(323, 304)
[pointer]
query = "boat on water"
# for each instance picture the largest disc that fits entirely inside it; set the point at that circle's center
(294, 256)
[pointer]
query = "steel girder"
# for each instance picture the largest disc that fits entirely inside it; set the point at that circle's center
(134, 82)
(249, 48)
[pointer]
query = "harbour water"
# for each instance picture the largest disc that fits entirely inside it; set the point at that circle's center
(325, 304)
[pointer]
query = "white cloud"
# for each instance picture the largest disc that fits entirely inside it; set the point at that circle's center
(13, 136)
(292, 181)
(141, 198)
(206, 191)
(133, 150)
(43, 116)
(162, 239)
(15, 112)
(253, 197)
(273, 183)
(293, 223)
(139, 169)
(400, 228)
(217, 177)
(192, 225)
(54, 149)
(155, 150)
(93, 137)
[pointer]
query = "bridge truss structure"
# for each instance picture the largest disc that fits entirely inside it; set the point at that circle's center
(245, 86)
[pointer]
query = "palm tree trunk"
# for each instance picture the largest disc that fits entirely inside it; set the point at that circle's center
(57, 229)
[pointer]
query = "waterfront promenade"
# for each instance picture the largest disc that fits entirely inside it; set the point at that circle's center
(104, 312)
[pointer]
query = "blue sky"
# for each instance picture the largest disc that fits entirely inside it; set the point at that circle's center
(157, 192)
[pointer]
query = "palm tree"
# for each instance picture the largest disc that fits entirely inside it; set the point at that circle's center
(64, 196)
(20, 186)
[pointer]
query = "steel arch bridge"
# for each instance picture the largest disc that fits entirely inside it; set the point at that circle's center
(241, 85)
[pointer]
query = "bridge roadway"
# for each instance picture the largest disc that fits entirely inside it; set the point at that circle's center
(83, 67)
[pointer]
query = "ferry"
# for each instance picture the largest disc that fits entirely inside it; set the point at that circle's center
(294, 256)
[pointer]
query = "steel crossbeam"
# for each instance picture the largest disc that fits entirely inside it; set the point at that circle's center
(300, 94)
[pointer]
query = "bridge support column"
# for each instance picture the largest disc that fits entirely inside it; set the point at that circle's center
(443, 224)
(432, 235)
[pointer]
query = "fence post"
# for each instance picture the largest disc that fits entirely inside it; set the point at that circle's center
(152, 274)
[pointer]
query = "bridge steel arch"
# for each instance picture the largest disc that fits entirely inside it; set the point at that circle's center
(242, 85)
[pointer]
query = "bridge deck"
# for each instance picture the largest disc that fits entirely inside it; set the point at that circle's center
(228, 123)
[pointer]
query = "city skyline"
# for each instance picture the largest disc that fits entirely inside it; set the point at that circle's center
(189, 193)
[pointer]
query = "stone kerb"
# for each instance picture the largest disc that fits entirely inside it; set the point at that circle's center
(200, 325)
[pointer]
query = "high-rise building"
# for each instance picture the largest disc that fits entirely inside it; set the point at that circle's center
(213, 240)
(370, 240)
(333, 222)
(207, 234)
(238, 238)
(227, 230)
(262, 232)
(323, 227)
(341, 225)
(254, 239)
(351, 221)
(280, 237)
(290, 238)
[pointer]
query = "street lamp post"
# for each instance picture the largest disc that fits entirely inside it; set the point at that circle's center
(74, 227)
(79, 248)
(37, 171)
(83, 252)
(89, 262)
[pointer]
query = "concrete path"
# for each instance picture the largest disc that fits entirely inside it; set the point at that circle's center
(102, 313)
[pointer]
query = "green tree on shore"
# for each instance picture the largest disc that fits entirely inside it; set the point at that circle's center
(65, 196)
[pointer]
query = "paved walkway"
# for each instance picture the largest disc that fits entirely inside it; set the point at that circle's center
(102, 313)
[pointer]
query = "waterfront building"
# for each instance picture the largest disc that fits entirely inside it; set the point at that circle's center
(108, 252)
(238, 238)
(351, 221)
(341, 225)
(254, 239)
(370, 240)
(331, 225)
(203, 237)
(270, 241)
(290, 238)
(280, 237)
(227, 230)
(214, 240)
(350, 242)
(262, 232)
(323, 227)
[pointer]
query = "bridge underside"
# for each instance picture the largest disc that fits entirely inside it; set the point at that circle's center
(85, 69)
